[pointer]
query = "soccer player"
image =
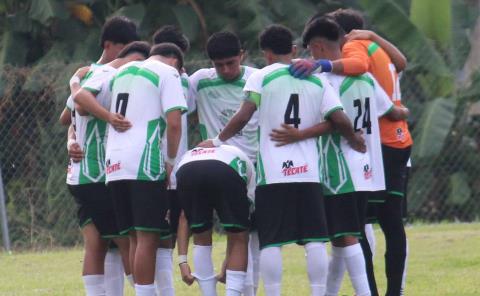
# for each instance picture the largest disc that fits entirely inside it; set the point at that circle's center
(288, 199)
(86, 178)
(348, 175)
(200, 192)
(218, 95)
(376, 55)
(149, 94)
(164, 272)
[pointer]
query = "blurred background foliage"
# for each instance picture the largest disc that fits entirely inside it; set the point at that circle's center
(44, 41)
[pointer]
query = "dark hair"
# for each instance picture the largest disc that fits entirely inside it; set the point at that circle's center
(348, 19)
(119, 29)
(223, 45)
(140, 47)
(277, 38)
(169, 50)
(325, 27)
(171, 34)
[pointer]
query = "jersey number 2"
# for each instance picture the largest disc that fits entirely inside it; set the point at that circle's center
(293, 106)
(122, 102)
(366, 123)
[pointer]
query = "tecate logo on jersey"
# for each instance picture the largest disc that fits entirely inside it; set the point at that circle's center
(112, 167)
(367, 172)
(289, 169)
(201, 151)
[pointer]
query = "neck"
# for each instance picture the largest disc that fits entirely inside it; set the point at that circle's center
(283, 59)
(104, 59)
(116, 63)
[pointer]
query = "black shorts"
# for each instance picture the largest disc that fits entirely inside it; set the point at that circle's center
(395, 166)
(95, 206)
(290, 213)
(175, 210)
(346, 214)
(140, 205)
(205, 185)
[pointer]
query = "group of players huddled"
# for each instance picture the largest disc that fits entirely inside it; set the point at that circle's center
(303, 151)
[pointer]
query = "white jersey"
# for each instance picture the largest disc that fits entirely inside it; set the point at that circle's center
(283, 99)
(346, 170)
(70, 104)
(230, 155)
(217, 101)
(91, 132)
(144, 92)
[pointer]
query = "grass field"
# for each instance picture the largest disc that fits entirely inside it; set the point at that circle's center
(444, 260)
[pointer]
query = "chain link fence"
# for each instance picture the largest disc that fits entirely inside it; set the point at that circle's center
(33, 157)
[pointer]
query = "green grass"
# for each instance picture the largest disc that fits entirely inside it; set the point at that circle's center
(444, 260)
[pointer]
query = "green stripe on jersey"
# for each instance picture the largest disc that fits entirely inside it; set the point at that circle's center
(136, 71)
(203, 131)
(151, 166)
(348, 82)
(372, 48)
(240, 166)
(92, 165)
(184, 82)
(284, 72)
(219, 82)
(255, 97)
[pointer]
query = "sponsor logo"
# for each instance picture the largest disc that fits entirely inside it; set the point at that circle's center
(400, 134)
(112, 167)
(289, 169)
(202, 151)
(367, 172)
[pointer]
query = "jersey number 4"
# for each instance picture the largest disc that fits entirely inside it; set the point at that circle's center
(364, 114)
(293, 106)
(122, 102)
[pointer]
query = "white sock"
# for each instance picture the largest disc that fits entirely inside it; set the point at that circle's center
(255, 250)
(130, 280)
(371, 238)
(114, 273)
(317, 267)
(404, 277)
(355, 262)
(204, 273)
(94, 284)
(271, 270)
(248, 288)
(163, 273)
(336, 270)
(235, 282)
(145, 290)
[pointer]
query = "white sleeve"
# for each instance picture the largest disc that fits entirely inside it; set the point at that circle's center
(382, 101)
(192, 94)
(186, 91)
(171, 92)
(70, 105)
(253, 87)
(251, 179)
(94, 83)
(330, 101)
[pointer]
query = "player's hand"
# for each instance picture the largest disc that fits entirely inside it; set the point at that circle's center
(119, 122)
(302, 68)
(222, 276)
(360, 35)
(206, 144)
(75, 152)
(186, 273)
(286, 135)
(358, 143)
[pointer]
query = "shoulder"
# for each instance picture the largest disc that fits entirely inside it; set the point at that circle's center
(248, 71)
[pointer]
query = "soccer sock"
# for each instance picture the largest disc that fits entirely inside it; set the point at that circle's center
(317, 267)
(94, 284)
(114, 280)
(163, 273)
(271, 270)
(145, 290)
(248, 289)
(355, 263)
(255, 250)
(336, 270)
(202, 262)
(371, 238)
(235, 282)
(404, 277)
(130, 280)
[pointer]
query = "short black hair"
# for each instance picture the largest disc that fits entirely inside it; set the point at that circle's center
(348, 19)
(171, 34)
(223, 45)
(119, 29)
(325, 27)
(140, 47)
(169, 50)
(277, 38)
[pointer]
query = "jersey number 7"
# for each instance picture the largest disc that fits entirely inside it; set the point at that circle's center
(292, 106)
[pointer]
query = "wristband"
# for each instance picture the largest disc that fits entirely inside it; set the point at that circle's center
(71, 142)
(217, 142)
(182, 259)
(74, 79)
(323, 65)
(170, 160)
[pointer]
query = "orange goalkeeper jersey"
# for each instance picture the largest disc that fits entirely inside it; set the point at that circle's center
(360, 56)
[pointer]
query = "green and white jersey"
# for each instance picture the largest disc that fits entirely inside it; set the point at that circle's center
(91, 133)
(344, 169)
(283, 99)
(230, 155)
(70, 104)
(144, 92)
(217, 101)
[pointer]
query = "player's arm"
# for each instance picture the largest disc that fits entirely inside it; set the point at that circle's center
(183, 237)
(397, 57)
(73, 148)
(174, 132)
(289, 134)
(65, 118)
(342, 124)
(397, 113)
